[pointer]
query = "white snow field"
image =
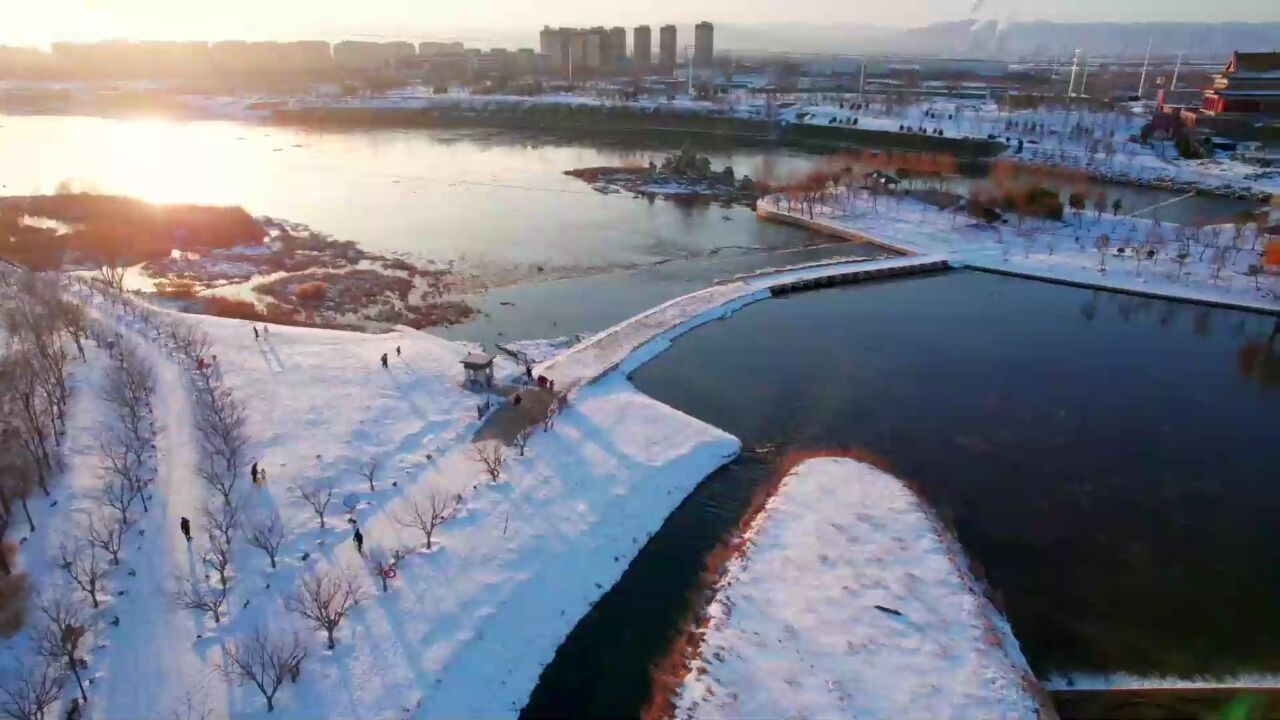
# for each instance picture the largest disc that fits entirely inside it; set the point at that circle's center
(1065, 251)
(465, 628)
(794, 629)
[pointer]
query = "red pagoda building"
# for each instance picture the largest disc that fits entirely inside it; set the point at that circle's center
(1250, 85)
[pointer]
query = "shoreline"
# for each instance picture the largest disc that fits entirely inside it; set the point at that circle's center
(998, 259)
(733, 621)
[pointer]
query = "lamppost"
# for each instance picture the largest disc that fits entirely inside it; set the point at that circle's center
(688, 58)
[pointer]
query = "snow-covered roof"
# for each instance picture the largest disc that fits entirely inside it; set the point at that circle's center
(478, 360)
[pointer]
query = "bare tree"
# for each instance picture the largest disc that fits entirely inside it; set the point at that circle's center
(194, 705)
(125, 482)
(106, 534)
(522, 438)
(65, 629)
(204, 596)
(368, 470)
(317, 495)
(324, 598)
(426, 512)
(221, 423)
(217, 557)
(265, 659)
(382, 563)
(80, 562)
(220, 480)
(17, 481)
(224, 518)
(29, 690)
(549, 419)
(491, 456)
(266, 534)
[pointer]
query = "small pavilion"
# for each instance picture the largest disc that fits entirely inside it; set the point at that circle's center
(478, 370)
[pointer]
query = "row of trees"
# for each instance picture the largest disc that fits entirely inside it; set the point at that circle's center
(41, 322)
(37, 321)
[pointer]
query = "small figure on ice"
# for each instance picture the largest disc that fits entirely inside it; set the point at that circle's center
(358, 538)
(185, 526)
(397, 351)
(265, 331)
(255, 333)
(384, 361)
(253, 472)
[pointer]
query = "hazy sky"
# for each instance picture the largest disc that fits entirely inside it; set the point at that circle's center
(37, 22)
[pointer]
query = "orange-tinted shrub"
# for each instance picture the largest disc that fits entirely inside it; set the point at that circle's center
(312, 292)
(230, 308)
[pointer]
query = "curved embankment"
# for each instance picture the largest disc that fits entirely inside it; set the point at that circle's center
(630, 343)
(555, 117)
(926, 231)
(844, 597)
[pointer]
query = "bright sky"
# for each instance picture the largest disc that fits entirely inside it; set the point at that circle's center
(38, 22)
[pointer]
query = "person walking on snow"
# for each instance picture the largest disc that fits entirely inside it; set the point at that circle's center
(359, 540)
(384, 361)
(397, 351)
(253, 472)
(185, 526)
(255, 333)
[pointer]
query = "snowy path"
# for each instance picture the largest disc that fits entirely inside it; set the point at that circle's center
(153, 640)
(849, 602)
(631, 342)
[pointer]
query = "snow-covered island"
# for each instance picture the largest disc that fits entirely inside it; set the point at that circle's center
(847, 599)
(686, 176)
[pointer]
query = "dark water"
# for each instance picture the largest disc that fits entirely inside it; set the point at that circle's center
(1111, 462)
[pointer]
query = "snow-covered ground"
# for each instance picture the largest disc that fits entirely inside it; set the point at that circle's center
(539, 350)
(847, 603)
(466, 627)
(1215, 264)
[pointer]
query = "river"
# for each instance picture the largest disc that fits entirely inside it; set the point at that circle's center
(1106, 460)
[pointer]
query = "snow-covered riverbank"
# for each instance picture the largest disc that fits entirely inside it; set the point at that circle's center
(1217, 264)
(847, 602)
(465, 628)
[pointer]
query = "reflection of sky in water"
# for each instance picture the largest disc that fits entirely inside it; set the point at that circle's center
(1109, 460)
(481, 196)
(490, 198)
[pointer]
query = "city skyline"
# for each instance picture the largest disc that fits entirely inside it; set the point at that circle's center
(81, 20)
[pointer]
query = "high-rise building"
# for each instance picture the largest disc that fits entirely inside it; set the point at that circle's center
(703, 45)
(667, 48)
(642, 46)
(617, 55)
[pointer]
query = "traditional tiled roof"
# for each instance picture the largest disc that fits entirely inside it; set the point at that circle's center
(1255, 62)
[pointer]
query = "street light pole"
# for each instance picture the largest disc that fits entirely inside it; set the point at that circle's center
(688, 57)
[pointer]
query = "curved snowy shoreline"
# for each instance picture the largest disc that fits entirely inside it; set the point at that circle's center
(915, 228)
(851, 601)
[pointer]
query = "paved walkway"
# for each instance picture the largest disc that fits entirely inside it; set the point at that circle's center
(631, 342)
(508, 420)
